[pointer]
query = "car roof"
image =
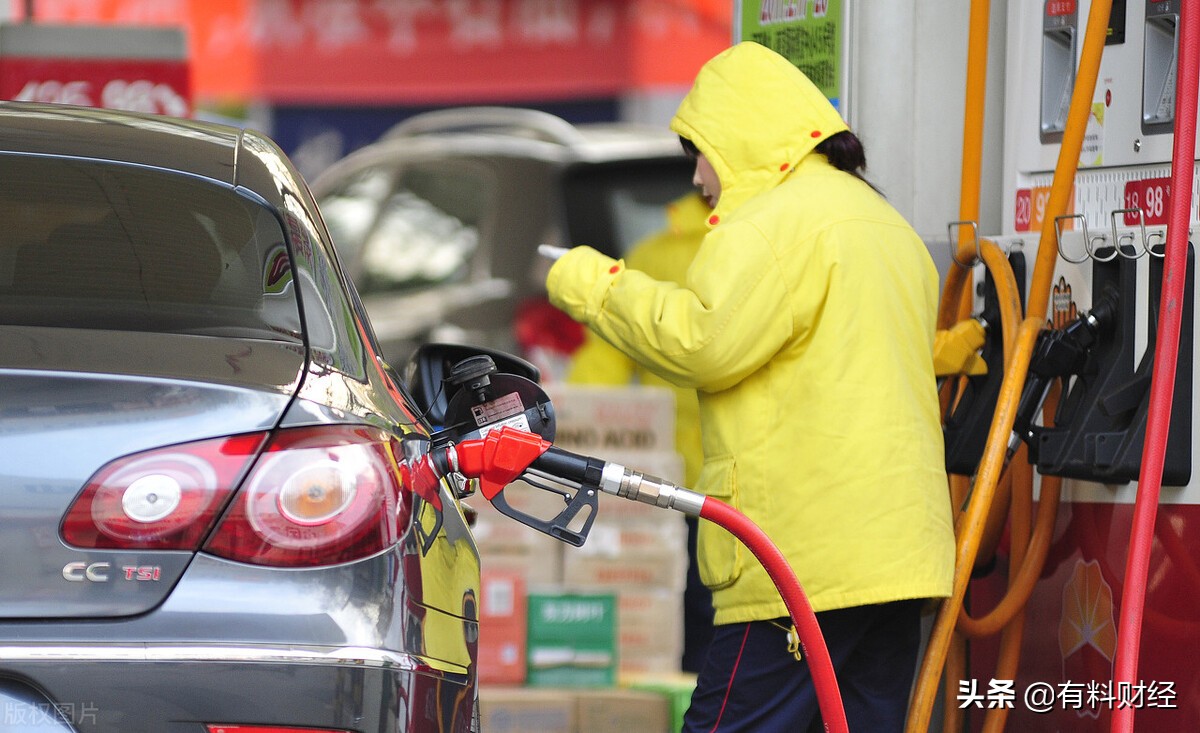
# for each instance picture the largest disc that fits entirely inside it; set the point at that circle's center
(189, 146)
(225, 154)
(509, 127)
(195, 147)
(498, 133)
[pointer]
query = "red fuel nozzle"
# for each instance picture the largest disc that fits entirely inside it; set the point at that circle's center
(506, 453)
(498, 458)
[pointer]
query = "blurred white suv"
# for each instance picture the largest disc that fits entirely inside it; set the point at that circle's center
(438, 222)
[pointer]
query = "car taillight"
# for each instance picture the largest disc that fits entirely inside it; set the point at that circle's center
(163, 499)
(317, 496)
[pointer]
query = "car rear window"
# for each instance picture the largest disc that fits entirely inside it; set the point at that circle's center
(410, 227)
(91, 244)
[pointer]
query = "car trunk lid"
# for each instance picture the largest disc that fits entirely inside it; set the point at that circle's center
(72, 401)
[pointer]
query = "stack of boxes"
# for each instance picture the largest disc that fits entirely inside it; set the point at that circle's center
(575, 618)
(544, 710)
(635, 551)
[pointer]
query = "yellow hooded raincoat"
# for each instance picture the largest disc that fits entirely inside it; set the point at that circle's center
(806, 323)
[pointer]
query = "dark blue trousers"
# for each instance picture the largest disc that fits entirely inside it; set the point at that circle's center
(751, 682)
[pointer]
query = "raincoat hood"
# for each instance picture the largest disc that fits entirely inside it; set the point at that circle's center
(755, 116)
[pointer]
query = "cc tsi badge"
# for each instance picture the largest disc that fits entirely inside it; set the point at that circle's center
(100, 572)
(77, 572)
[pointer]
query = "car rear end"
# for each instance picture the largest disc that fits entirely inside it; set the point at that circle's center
(203, 528)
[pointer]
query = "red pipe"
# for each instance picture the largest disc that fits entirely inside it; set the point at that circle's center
(812, 644)
(1162, 385)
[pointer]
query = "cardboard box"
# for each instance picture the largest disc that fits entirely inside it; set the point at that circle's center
(622, 711)
(595, 571)
(502, 629)
(663, 536)
(676, 688)
(522, 710)
(650, 630)
(663, 567)
(538, 570)
(572, 639)
(637, 662)
(594, 419)
(507, 546)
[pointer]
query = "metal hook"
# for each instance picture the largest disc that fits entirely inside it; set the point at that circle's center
(954, 246)
(1091, 247)
(1058, 236)
(1150, 247)
(1117, 240)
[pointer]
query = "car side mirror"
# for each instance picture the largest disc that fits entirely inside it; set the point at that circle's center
(427, 375)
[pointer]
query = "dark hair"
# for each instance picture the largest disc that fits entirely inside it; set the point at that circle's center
(845, 152)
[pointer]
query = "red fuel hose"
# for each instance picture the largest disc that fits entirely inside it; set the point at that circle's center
(812, 644)
(1162, 385)
(506, 453)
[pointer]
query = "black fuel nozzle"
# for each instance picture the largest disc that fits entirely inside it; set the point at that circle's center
(617, 480)
(572, 467)
(1059, 353)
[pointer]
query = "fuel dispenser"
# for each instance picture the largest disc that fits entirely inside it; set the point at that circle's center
(1110, 240)
(1098, 159)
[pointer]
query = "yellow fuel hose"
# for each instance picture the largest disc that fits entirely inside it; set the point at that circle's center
(1026, 571)
(993, 528)
(1008, 296)
(956, 301)
(954, 297)
(1029, 549)
(991, 465)
(1010, 642)
(956, 669)
(1068, 156)
(955, 306)
(971, 526)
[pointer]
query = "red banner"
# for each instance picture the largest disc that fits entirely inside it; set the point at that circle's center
(159, 87)
(426, 51)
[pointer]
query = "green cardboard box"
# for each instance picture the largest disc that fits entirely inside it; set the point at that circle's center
(572, 640)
